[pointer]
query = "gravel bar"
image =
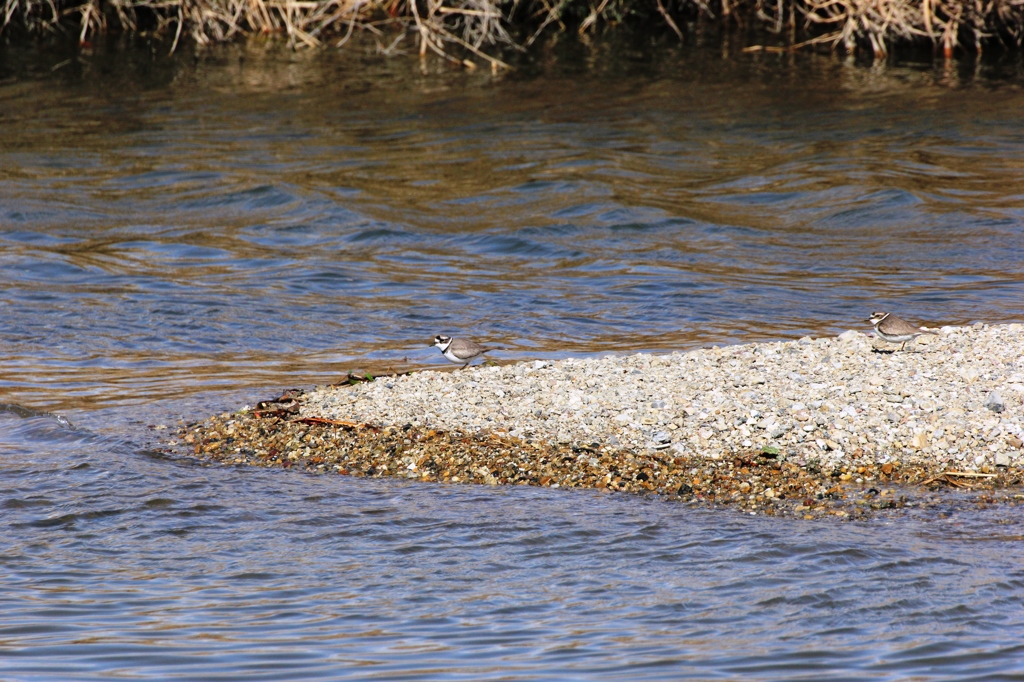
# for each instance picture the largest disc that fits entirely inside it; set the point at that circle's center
(837, 426)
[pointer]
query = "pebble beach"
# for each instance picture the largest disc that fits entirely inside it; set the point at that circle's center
(827, 425)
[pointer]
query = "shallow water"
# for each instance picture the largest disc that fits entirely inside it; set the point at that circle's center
(284, 218)
(116, 562)
(182, 236)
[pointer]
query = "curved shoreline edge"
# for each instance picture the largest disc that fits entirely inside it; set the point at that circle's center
(814, 427)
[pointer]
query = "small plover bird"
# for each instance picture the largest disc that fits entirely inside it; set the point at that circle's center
(890, 328)
(459, 351)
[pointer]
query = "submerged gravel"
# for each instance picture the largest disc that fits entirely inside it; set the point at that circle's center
(814, 426)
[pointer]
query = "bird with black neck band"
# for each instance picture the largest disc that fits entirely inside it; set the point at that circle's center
(460, 351)
(892, 329)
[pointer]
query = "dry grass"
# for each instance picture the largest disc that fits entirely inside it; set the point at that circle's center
(468, 31)
(945, 24)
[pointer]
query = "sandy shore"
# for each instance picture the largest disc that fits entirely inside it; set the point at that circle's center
(831, 425)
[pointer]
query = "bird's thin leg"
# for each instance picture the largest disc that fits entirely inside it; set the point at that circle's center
(904, 345)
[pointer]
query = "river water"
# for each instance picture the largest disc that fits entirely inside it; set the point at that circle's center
(181, 236)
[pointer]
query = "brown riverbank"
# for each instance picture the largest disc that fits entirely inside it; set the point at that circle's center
(493, 32)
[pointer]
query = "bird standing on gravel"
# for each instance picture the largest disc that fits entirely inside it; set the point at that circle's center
(890, 328)
(459, 351)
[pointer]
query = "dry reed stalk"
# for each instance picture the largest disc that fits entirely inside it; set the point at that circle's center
(482, 28)
(668, 20)
(943, 23)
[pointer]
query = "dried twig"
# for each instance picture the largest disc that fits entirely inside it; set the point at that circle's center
(668, 20)
(450, 28)
(177, 32)
(950, 477)
(328, 422)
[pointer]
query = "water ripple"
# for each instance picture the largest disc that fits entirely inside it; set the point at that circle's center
(169, 250)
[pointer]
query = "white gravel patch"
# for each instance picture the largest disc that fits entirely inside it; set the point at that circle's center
(954, 398)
